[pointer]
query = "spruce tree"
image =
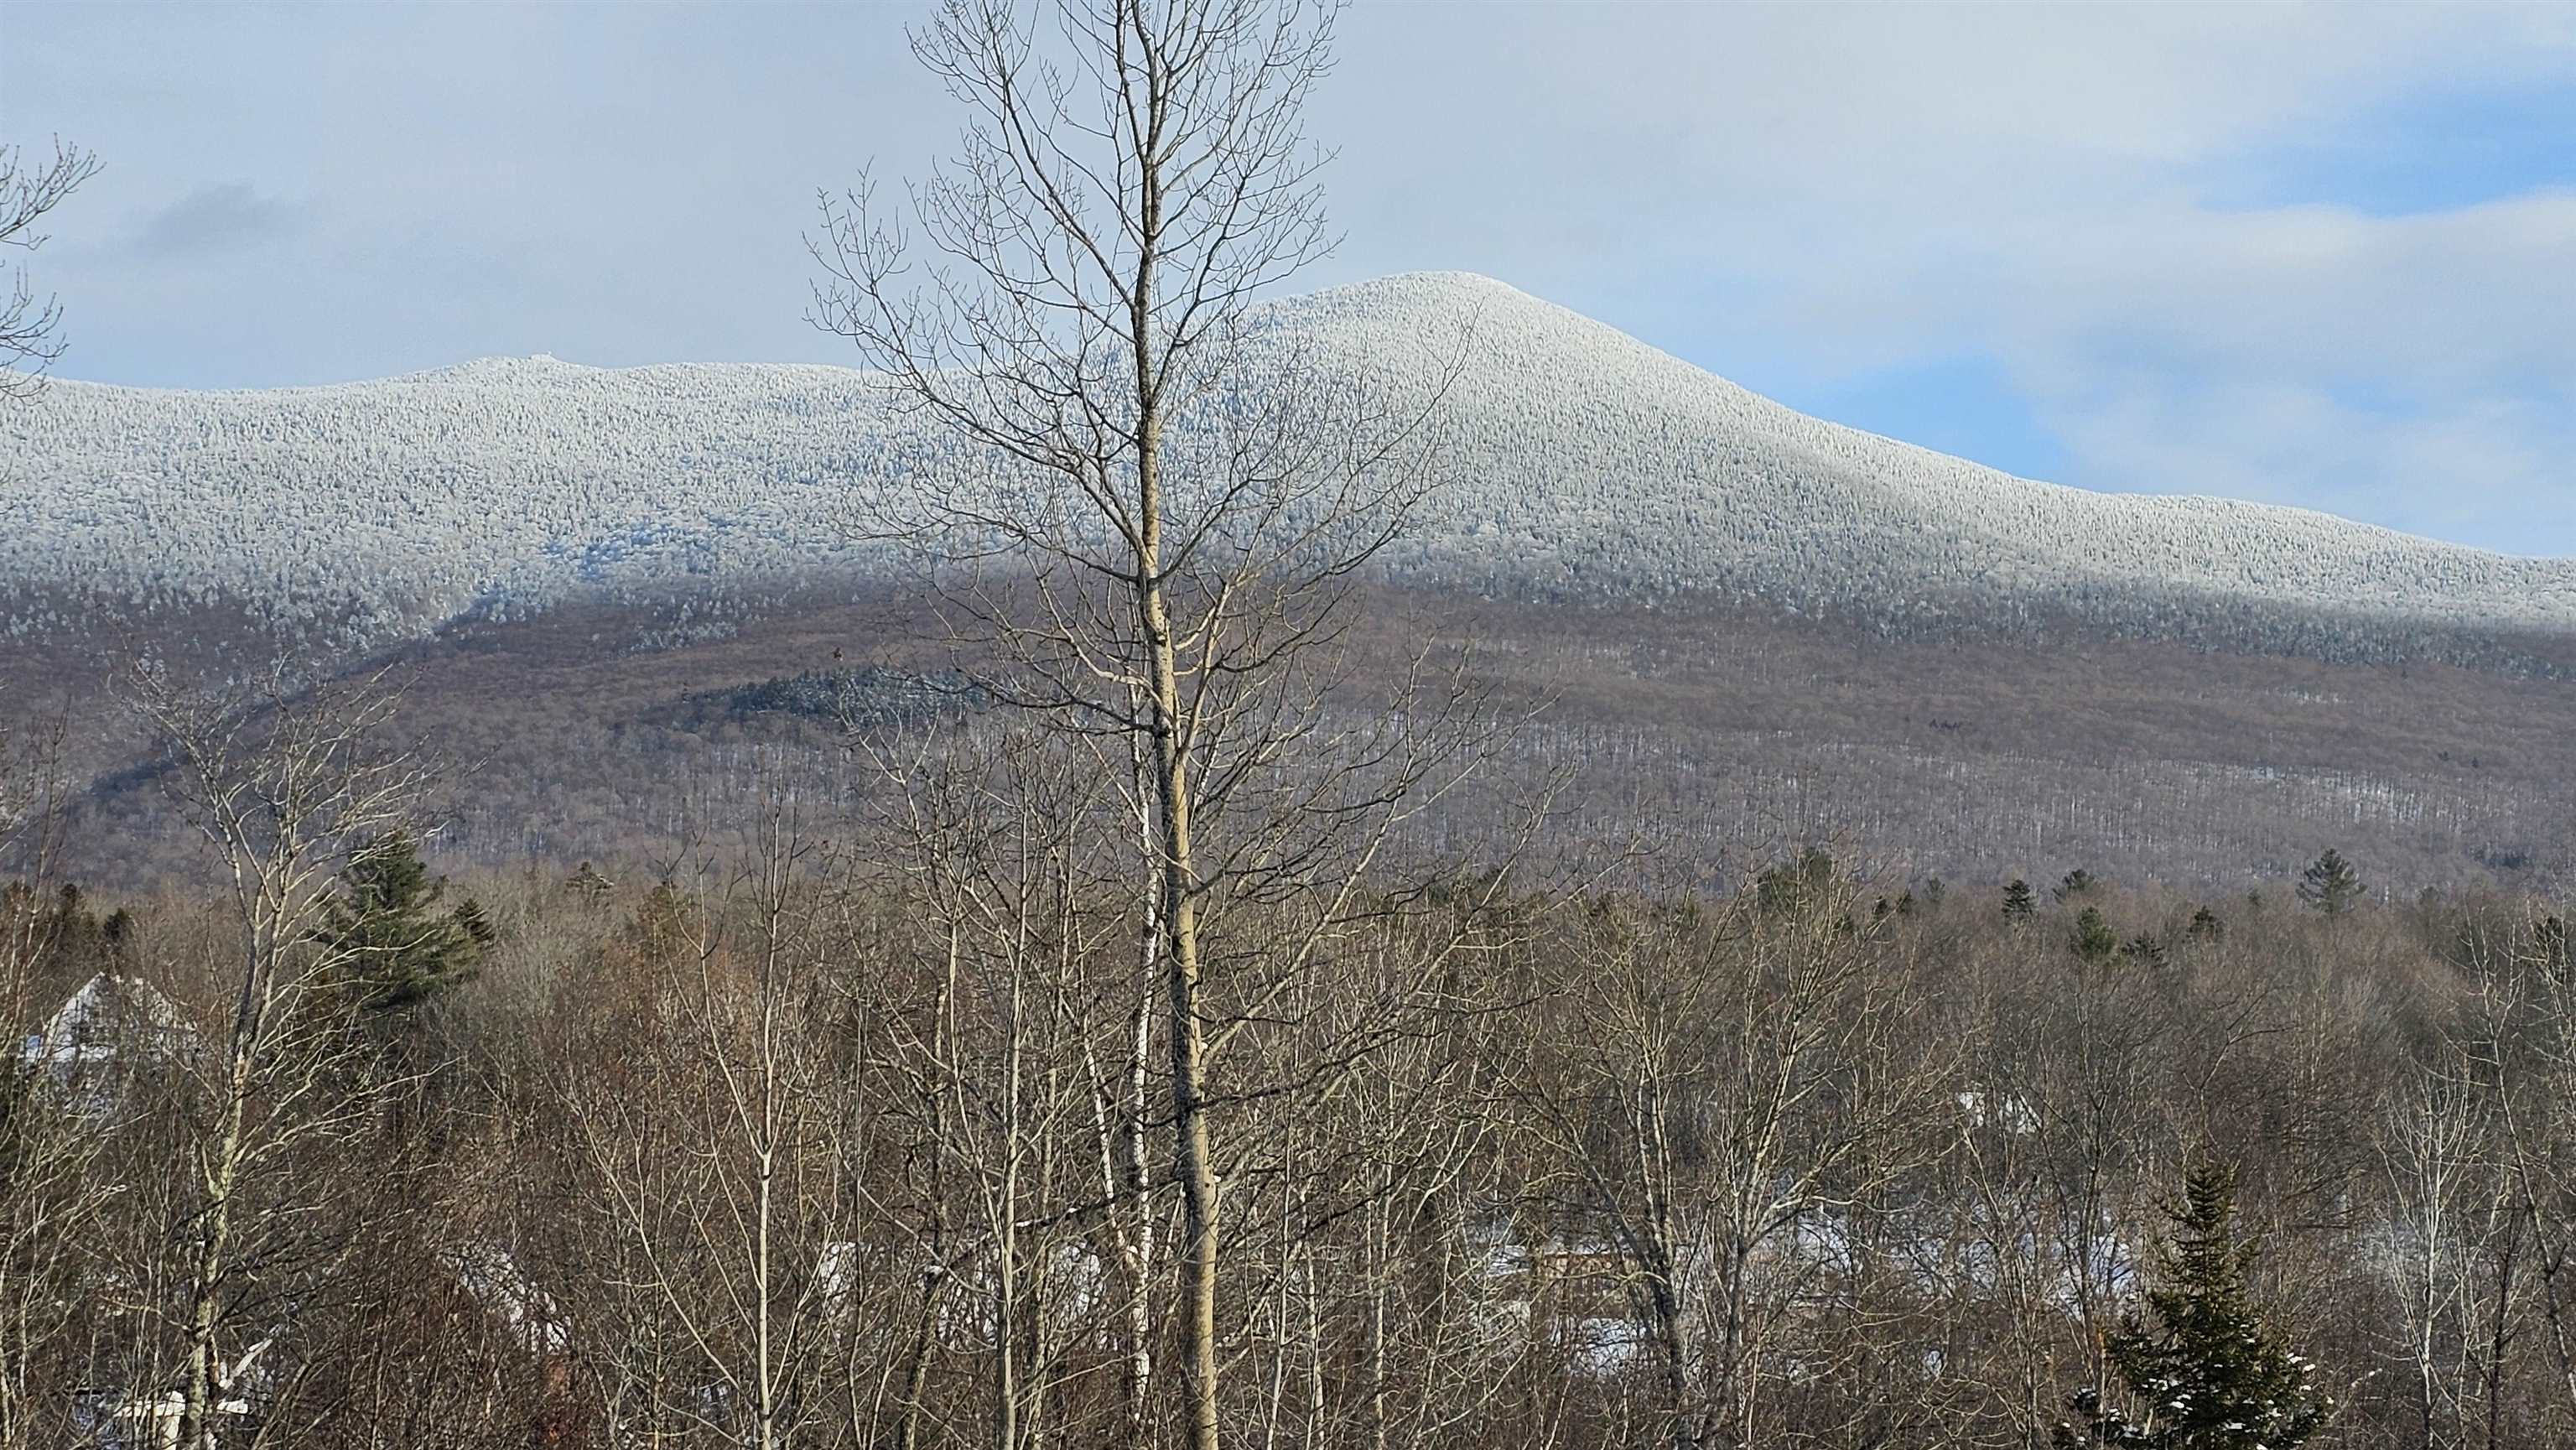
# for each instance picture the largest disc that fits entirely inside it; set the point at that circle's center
(2207, 1373)
(2018, 903)
(2094, 941)
(2330, 884)
(400, 947)
(2078, 882)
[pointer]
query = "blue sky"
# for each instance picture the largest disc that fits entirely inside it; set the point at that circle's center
(2320, 255)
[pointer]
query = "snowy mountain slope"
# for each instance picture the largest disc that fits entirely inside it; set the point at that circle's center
(1584, 462)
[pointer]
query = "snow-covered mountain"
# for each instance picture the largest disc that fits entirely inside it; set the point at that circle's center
(1585, 463)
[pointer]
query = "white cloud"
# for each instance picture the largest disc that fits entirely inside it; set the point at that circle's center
(1812, 193)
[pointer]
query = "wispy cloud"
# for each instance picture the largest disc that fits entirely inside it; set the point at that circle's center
(212, 219)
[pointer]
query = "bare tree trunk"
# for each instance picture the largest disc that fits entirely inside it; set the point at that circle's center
(279, 783)
(212, 1262)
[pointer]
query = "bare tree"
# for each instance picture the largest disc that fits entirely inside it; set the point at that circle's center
(1723, 1103)
(279, 783)
(2523, 1053)
(2433, 1144)
(1020, 1125)
(719, 1153)
(51, 1192)
(30, 329)
(1157, 519)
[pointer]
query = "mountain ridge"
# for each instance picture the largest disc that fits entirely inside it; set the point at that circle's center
(1586, 463)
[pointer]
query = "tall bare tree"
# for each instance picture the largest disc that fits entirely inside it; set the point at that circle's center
(1156, 519)
(51, 1192)
(278, 782)
(719, 1151)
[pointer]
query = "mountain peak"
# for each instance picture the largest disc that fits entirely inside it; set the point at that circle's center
(504, 367)
(1582, 461)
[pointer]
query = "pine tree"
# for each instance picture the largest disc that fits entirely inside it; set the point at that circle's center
(401, 948)
(2330, 884)
(2018, 902)
(2205, 925)
(2208, 1374)
(2094, 941)
(2078, 882)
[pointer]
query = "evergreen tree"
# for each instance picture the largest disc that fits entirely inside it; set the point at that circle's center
(2205, 925)
(2078, 882)
(2330, 884)
(2094, 941)
(401, 948)
(1796, 886)
(2018, 902)
(2207, 1374)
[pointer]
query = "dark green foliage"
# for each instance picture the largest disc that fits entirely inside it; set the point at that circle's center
(870, 697)
(1796, 886)
(2144, 949)
(401, 949)
(2207, 1374)
(2078, 882)
(1934, 890)
(62, 936)
(2205, 925)
(2018, 902)
(2094, 939)
(2330, 884)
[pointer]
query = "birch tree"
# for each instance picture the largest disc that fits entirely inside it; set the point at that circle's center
(278, 783)
(1153, 524)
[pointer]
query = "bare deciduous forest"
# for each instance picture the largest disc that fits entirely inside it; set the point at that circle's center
(791, 1141)
(1732, 734)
